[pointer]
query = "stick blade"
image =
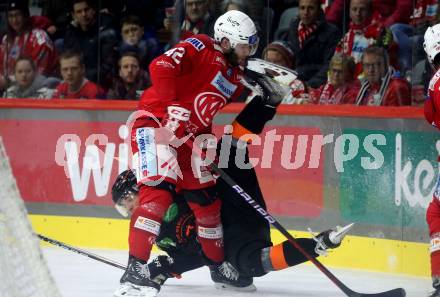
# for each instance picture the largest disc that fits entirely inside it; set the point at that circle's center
(399, 292)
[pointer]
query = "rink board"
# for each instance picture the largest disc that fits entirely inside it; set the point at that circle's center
(390, 256)
(318, 166)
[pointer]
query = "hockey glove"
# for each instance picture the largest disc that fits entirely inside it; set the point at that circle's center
(272, 92)
(174, 126)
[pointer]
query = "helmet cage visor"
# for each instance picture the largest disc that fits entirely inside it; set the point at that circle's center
(251, 41)
(125, 203)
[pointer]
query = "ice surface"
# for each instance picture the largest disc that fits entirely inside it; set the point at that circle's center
(79, 276)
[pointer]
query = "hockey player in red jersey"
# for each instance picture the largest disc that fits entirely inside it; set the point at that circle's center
(190, 84)
(431, 45)
(249, 251)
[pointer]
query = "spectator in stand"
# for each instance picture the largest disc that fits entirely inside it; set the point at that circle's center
(410, 36)
(313, 42)
(95, 38)
(240, 5)
(132, 32)
(75, 85)
(59, 14)
(279, 52)
(391, 11)
(366, 29)
(28, 83)
(150, 12)
(381, 86)
(257, 10)
(21, 39)
(198, 19)
(132, 80)
(341, 87)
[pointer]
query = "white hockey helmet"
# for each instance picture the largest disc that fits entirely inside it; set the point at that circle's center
(238, 28)
(431, 43)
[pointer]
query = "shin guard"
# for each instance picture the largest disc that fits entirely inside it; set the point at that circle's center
(146, 220)
(209, 229)
(285, 255)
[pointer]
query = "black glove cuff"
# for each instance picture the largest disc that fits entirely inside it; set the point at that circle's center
(255, 115)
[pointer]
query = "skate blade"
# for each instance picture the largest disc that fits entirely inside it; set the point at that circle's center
(225, 287)
(339, 234)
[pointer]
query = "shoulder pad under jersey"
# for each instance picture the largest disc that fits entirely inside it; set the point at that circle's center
(434, 80)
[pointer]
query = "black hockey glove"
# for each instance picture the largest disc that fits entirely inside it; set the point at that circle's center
(271, 91)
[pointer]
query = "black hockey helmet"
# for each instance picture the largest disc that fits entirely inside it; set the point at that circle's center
(124, 187)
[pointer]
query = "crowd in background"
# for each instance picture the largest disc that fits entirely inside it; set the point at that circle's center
(363, 52)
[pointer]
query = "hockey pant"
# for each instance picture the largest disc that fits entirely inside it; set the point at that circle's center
(255, 257)
(158, 172)
(147, 218)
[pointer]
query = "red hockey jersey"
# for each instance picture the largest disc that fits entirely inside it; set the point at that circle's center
(194, 74)
(432, 104)
(424, 10)
(88, 90)
(35, 44)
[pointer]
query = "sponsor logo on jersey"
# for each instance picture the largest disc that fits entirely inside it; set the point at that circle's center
(206, 106)
(147, 225)
(147, 148)
(165, 64)
(196, 43)
(223, 85)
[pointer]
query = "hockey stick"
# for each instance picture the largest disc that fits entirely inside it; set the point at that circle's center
(80, 251)
(399, 292)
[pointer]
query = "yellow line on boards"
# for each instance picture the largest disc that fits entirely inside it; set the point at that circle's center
(390, 256)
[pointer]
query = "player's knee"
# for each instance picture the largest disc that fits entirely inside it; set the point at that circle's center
(207, 214)
(147, 219)
(248, 259)
(153, 204)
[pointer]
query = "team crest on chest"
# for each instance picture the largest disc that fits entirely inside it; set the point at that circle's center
(206, 106)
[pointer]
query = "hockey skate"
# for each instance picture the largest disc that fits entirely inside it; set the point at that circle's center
(226, 277)
(436, 285)
(435, 293)
(330, 239)
(136, 282)
(161, 269)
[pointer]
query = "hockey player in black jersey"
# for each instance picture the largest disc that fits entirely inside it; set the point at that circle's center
(249, 251)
